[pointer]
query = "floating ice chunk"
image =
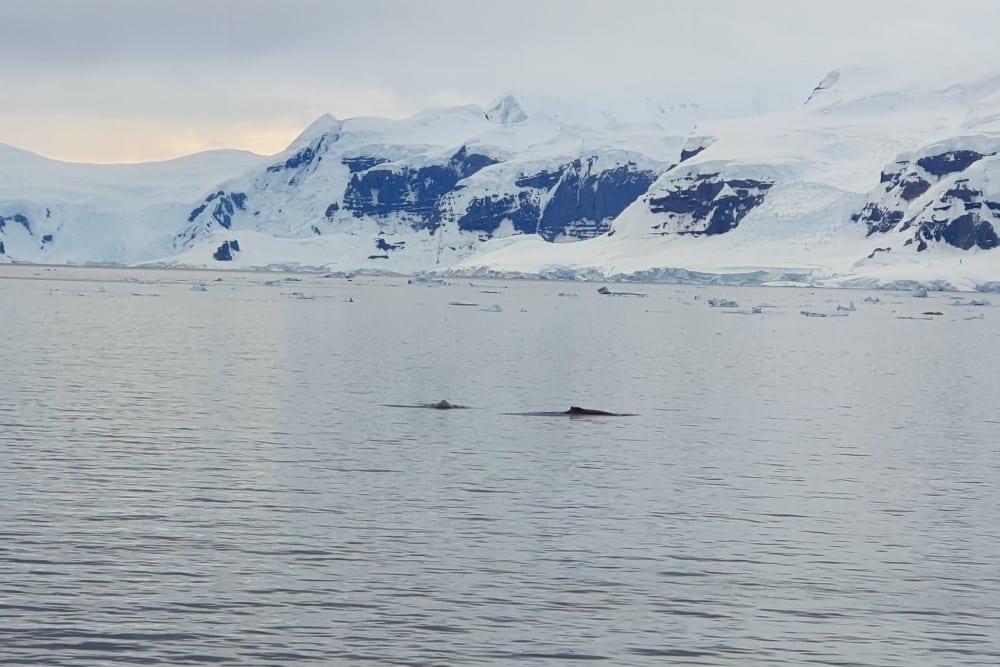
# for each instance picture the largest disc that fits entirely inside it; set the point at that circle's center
(572, 295)
(920, 292)
(608, 292)
(461, 303)
(427, 282)
(812, 313)
(495, 308)
(980, 316)
(200, 287)
(722, 303)
(849, 308)
(872, 299)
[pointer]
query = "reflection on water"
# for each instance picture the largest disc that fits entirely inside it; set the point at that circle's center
(212, 476)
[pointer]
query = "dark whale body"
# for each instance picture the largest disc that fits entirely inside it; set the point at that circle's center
(440, 405)
(575, 411)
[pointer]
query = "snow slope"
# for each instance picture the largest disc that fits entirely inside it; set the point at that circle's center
(797, 195)
(59, 212)
(875, 180)
(361, 193)
(423, 192)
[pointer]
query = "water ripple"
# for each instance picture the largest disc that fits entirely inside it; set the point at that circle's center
(210, 478)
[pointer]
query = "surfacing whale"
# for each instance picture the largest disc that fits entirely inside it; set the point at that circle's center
(575, 411)
(440, 405)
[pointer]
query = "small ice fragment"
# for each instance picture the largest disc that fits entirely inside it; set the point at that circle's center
(812, 313)
(608, 292)
(427, 282)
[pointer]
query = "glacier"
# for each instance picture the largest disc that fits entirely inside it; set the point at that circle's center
(873, 181)
(867, 184)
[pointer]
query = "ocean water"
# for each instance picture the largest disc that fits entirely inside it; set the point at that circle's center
(201, 468)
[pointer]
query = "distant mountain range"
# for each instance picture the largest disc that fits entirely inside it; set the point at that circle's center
(871, 182)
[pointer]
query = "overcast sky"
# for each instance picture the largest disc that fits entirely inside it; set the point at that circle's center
(129, 80)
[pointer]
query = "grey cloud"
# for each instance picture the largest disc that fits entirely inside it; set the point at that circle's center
(258, 61)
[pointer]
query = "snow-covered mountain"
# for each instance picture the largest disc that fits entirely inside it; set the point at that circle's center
(57, 212)
(868, 183)
(362, 193)
(423, 192)
(872, 180)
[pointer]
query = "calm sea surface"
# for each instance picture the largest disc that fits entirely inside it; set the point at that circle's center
(211, 477)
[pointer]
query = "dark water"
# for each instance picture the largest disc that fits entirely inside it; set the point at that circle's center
(209, 477)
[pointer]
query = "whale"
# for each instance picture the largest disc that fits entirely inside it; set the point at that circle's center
(574, 411)
(440, 405)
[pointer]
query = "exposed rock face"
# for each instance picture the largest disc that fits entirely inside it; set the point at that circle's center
(948, 162)
(415, 193)
(969, 221)
(226, 251)
(704, 203)
(17, 219)
(576, 200)
(391, 191)
(17, 228)
(939, 197)
(219, 209)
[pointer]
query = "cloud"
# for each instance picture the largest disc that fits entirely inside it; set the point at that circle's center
(183, 67)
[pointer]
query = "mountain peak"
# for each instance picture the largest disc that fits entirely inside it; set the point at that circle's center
(325, 124)
(826, 83)
(507, 110)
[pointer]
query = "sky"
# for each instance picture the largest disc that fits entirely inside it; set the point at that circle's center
(138, 80)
